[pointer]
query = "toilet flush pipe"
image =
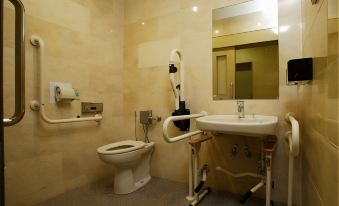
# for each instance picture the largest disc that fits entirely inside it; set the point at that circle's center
(39, 43)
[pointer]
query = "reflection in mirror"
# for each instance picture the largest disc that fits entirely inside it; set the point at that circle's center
(245, 51)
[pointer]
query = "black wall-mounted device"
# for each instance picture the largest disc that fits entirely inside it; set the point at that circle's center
(299, 71)
(183, 125)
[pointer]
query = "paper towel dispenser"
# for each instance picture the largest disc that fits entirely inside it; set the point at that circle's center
(299, 71)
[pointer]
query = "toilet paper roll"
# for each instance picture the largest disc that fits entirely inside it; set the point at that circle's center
(66, 94)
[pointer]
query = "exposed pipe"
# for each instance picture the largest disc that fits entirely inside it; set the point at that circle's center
(39, 43)
(238, 175)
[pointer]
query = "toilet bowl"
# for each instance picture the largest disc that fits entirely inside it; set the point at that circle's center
(132, 162)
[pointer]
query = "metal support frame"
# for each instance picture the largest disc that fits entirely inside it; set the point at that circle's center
(268, 159)
(198, 196)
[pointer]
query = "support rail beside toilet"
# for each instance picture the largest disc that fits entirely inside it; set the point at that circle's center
(39, 43)
(178, 118)
(181, 119)
(194, 147)
(292, 137)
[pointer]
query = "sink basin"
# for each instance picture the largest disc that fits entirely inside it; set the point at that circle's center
(251, 125)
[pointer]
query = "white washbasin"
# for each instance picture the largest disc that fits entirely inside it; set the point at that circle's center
(251, 125)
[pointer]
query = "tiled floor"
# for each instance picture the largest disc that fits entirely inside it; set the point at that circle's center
(158, 192)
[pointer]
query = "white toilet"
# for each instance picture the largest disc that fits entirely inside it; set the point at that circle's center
(132, 162)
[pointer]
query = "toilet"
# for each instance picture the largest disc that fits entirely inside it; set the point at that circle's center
(132, 162)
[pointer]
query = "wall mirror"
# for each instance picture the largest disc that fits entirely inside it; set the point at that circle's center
(245, 51)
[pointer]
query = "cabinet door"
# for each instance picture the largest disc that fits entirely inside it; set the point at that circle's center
(223, 73)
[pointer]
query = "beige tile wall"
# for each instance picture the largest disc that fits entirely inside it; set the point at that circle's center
(84, 47)
(155, 23)
(320, 107)
(113, 63)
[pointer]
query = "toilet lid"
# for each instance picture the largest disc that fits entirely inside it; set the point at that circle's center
(121, 147)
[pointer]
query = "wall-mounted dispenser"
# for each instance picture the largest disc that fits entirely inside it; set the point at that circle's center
(90, 107)
(66, 94)
(299, 71)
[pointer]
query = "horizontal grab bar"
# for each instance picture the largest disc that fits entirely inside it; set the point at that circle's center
(39, 43)
(177, 118)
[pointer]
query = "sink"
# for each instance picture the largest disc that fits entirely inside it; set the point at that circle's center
(251, 125)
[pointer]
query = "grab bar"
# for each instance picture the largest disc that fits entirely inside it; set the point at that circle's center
(19, 65)
(292, 137)
(176, 118)
(38, 42)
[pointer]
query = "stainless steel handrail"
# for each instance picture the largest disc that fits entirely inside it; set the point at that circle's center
(19, 64)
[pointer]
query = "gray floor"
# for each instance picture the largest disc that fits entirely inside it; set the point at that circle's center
(157, 192)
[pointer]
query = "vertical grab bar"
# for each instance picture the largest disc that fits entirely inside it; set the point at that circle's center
(292, 137)
(19, 65)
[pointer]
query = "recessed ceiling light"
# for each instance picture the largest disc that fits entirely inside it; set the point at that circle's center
(143, 23)
(194, 8)
(216, 31)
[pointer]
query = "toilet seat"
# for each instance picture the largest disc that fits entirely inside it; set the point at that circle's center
(121, 147)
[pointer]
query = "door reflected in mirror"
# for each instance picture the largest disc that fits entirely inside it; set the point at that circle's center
(246, 51)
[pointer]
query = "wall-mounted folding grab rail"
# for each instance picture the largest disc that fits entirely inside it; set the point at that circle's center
(292, 137)
(193, 151)
(177, 118)
(39, 43)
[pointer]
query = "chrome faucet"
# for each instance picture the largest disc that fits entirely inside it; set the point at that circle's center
(241, 109)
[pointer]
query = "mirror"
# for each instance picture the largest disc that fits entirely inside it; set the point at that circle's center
(246, 51)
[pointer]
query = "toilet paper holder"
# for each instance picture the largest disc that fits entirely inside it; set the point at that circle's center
(66, 93)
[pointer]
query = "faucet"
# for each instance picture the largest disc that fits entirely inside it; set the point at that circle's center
(241, 109)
